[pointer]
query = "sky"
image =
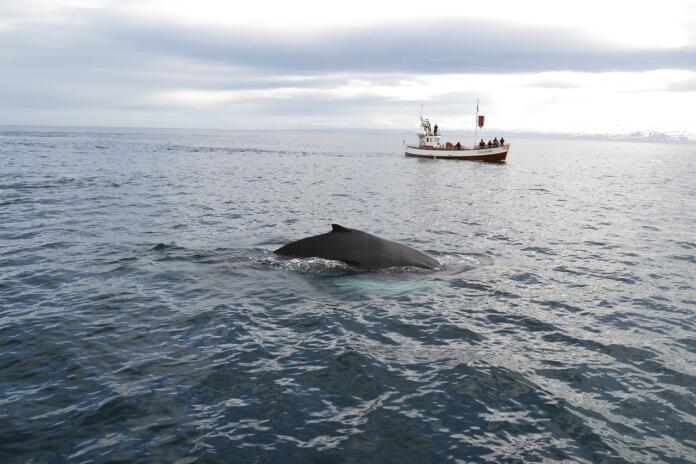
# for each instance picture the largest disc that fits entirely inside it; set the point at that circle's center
(598, 67)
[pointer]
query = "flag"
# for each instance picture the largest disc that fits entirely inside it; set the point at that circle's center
(480, 120)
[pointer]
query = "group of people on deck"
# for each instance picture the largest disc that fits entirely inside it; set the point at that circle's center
(492, 143)
(434, 130)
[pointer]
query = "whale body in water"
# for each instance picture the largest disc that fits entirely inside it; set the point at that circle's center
(359, 249)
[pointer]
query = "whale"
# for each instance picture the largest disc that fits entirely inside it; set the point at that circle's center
(359, 249)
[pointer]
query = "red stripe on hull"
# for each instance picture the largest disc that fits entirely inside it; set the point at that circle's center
(497, 157)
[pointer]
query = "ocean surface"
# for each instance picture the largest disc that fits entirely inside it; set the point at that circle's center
(144, 318)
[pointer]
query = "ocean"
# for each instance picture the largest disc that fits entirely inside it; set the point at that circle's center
(144, 317)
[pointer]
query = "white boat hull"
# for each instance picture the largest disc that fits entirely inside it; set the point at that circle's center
(482, 154)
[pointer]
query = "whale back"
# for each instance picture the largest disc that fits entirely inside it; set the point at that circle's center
(357, 248)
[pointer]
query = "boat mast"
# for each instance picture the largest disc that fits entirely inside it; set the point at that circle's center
(476, 124)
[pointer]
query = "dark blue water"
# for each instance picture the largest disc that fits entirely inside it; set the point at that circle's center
(143, 317)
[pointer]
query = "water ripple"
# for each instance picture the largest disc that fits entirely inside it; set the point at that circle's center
(144, 317)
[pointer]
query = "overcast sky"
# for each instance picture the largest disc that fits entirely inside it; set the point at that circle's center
(546, 66)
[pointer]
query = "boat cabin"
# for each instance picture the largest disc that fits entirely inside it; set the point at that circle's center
(428, 136)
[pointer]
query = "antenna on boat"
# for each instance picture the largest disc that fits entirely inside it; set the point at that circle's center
(476, 127)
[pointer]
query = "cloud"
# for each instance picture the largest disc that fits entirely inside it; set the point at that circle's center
(687, 85)
(89, 67)
(443, 46)
(554, 83)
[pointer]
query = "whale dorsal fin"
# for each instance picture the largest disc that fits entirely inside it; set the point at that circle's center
(338, 228)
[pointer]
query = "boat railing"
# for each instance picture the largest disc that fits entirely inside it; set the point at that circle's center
(463, 148)
(476, 147)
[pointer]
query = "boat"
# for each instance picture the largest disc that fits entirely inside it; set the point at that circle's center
(431, 146)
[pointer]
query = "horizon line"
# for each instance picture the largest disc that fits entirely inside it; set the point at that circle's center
(635, 136)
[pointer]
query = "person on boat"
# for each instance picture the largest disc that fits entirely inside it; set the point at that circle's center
(495, 142)
(502, 141)
(459, 146)
(490, 144)
(482, 144)
(435, 130)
